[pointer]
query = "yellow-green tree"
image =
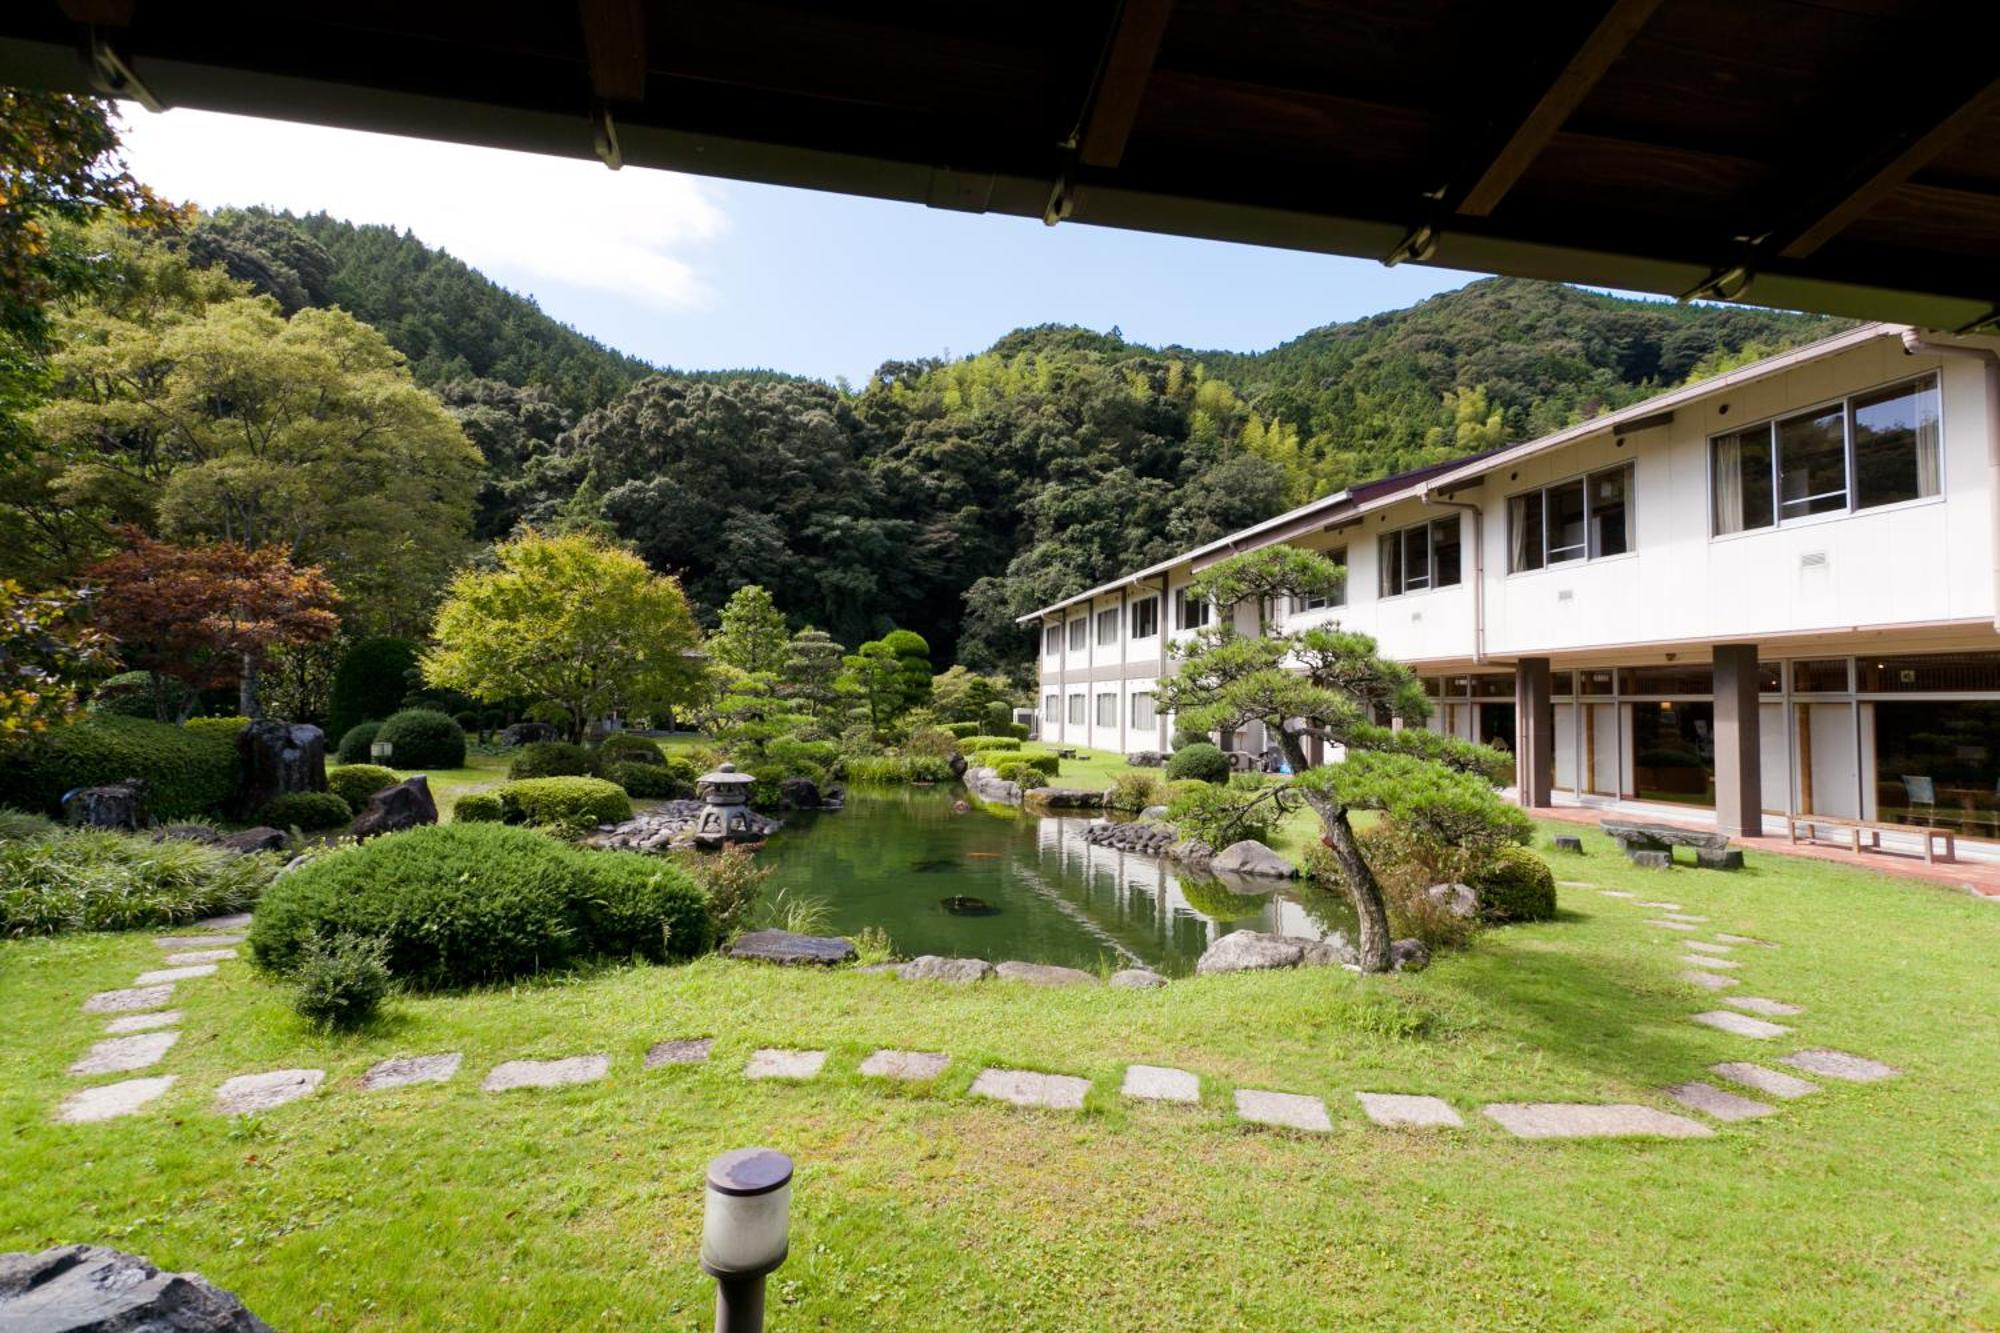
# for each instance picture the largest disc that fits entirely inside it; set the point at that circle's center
(572, 620)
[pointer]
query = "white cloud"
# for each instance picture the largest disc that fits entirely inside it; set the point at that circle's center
(569, 220)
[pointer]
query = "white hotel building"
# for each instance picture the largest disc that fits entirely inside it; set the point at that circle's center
(1770, 592)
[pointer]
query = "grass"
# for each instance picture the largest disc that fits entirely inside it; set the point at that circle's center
(1864, 1206)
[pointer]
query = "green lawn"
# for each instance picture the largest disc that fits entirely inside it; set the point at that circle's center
(1863, 1206)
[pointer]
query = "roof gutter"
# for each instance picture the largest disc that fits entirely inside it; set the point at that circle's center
(1478, 565)
(1916, 344)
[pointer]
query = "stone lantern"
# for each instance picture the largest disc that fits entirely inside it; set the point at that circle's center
(725, 812)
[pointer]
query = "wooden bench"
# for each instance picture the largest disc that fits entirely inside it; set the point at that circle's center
(1711, 850)
(1852, 829)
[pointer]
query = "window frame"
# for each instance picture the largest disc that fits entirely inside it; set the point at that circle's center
(1585, 481)
(1181, 604)
(1152, 712)
(1052, 708)
(1428, 528)
(1078, 710)
(1052, 641)
(1108, 619)
(1106, 697)
(1150, 603)
(1079, 634)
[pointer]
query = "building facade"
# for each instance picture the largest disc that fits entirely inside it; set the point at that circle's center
(1771, 592)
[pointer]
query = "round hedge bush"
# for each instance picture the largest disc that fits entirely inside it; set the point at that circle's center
(647, 782)
(622, 747)
(1516, 885)
(310, 811)
(1201, 761)
(478, 807)
(424, 738)
(552, 759)
(370, 682)
(570, 802)
(190, 774)
(353, 747)
(355, 783)
(471, 904)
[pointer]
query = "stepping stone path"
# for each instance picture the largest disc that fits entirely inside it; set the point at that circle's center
(1021, 1087)
(1757, 1004)
(250, 1093)
(200, 956)
(1841, 1065)
(1708, 980)
(1711, 1100)
(235, 921)
(1617, 893)
(1767, 1081)
(125, 1001)
(122, 1055)
(1703, 946)
(1727, 964)
(1659, 907)
(167, 976)
(1672, 925)
(1743, 939)
(1158, 1083)
(1391, 1108)
(909, 1066)
(546, 1073)
(1586, 884)
(686, 1051)
(775, 1063)
(404, 1070)
(108, 1101)
(1683, 916)
(1573, 1120)
(166, 1018)
(1287, 1110)
(196, 941)
(1741, 1025)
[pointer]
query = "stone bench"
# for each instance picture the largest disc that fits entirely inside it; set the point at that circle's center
(1646, 844)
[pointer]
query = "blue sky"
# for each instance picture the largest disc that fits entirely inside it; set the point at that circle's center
(702, 274)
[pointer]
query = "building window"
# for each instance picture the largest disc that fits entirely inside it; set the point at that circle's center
(1079, 634)
(1191, 612)
(1338, 597)
(1584, 518)
(1146, 618)
(1107, 710)
(1052, 641)
(1875, 448)
(1048, 708)
(1426, 556)
(1142, 710)
(1076, 707)
(1107, 626)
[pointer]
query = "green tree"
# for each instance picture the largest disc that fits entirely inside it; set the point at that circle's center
(572, 620)
(751, 712)
(811, 673)
(752, 637)
(47, 651)
(913, 660)
(960, 695)
(875, 677)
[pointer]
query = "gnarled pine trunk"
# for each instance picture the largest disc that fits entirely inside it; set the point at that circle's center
(1363, 890)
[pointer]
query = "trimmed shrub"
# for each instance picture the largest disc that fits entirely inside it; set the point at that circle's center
(999, 718)
(648, 782)
(962, 729)
(355, 783)
(1135, 791)
(1018, 730)
(1019, 770)
(971, 743)
(423, 738)
(1209, 812)
(478, 807)
(189, 773)
(226, 727)
(467, 723)
(1515, 885)
(94, 879)
(310, 811)
(1201, 762)
(621, 747)
(130, 694)
(342, 981)
(552, 759)
(468, 904)
(1404, 867)
(1047, 765)
(370, 682)
(1183, 739)
(353, 747)
(898, 768)
(565, 802)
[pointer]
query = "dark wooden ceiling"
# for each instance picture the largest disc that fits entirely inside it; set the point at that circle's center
(1832, 155)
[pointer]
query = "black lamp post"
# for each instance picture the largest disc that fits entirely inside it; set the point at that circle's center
(745, 1232)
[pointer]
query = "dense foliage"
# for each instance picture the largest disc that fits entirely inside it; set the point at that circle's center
(341, 982)
(355, 742)
(355, 783)
(568, 804)
(47, 651)
(423, 738)
(1515, 885)
(370, 682)
(307, 811)
(1202, 762)
(552, 759)
(189, 774)
(92, 879)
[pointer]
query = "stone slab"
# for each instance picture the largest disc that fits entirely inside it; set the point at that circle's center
(196, 941)
(1707, 980)
(773, 1062)
(1704, 960)
(234, 921)
(1021, 1087)
(1044, 974)
(683, 1051)
(931, 967)
(1727, 938)
(195, 956)
(1841, 1065)
(546, 1073)
(129, 999)
(166, 1018)
(1588, 884)
(1688, 917)
(1757, 1004)
(108, 1101)
(1611, 893)
(1288, 1110)
(908, 1066)
(1159, 1083)
(1671, 925)
(1741, 1025)
(167, 976)
(1767, 1081)
(1399, 1109)
(404, 1070)
(1576, 1120)
(1703, 946)
(249, 1093)
(122, 1055)
(1137, 978)
(1658, 907)
(784, 947)
(1713, 1101)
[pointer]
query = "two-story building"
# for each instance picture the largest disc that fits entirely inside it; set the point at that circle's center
(1768, 592)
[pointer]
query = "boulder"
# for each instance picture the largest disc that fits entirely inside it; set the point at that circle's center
(1254, 951)
(116, 805)
(987, 785)
(75, 1288)
(931, 967)
(1068, 798)
(957, 764)
(393, 809)
(798, 793)
(527, 733)
(1044, 974)
(278, 758)
(1192, 852)
(263, 838)
(1409, 956)
(1647, 858)
(1332, 951)
(782, 946)
(1457, 899)
(1145, 759)
(1153, 812)
(200, 833)
(1137, 978)
(1567, 844)
(1250, 857)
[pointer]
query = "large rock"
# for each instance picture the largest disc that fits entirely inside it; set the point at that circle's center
(1457, 899)
(931, 967)
(1192, 853)
(1145, 759)
(1044, 974)
(782, 946)
(1254, 951)
(527, 733)
(1250, 857)
(116, 805)
(393, 809)
(1067, 798)
(957, 764)
(987, 785)
(93, 1289)
(276, 759)
(200, 833)
(1409, 956)
(263, 838)
(798, 793)
(1137, 978)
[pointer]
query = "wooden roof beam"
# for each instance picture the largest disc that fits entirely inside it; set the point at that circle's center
(614, 48)
(1607, 41)
(1113, 107)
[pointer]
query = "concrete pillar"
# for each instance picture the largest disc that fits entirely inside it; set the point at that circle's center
(1534, 731)
(1739, 780)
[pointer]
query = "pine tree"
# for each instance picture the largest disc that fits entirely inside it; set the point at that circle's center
(811, 672)
(752, 637)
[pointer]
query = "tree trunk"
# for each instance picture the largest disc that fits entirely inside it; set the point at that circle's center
(246, 690)
(1363, 890)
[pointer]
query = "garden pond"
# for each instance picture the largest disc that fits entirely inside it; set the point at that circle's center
(1010, 884)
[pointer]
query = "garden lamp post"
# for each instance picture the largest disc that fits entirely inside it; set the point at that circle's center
(745, 1232)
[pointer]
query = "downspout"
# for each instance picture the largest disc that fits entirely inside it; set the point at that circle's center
(1915, 344)
(1478, 567)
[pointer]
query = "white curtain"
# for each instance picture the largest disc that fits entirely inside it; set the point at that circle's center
(1728, 484)
(1928, 462)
